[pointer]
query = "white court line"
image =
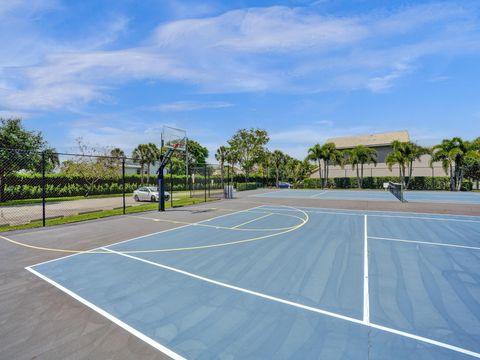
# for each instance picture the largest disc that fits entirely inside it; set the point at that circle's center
(305, 307)
(362, 212)
(110, 317)
(319, 212)
(251, 221)
(425, 243)
(372, 212)
(144, 236)
(320, 193)
(366, 295)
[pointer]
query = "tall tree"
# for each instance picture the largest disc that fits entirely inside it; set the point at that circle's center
(249, 145)
(27, 156)
(358, 157)
(278, 161)
(265, 162)
(472, 167)
(152, 155)
(141, 155)
(221, 155)
(452, 153)
(404, 154)
(117, 152)
(231, 157)
(315, 153)
(51, 161)
(197, 154)
(331, 156)
(92, 165)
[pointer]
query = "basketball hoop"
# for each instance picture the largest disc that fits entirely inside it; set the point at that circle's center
(174, 138)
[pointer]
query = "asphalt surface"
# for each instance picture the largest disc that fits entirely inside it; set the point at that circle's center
(38, 321)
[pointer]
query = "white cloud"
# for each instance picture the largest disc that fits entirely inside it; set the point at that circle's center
(274, 49)
(13, 114)
(190, 106)
(273, 29)
(382, 83)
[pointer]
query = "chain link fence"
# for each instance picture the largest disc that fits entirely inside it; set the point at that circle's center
(43, 188)
(206, 182)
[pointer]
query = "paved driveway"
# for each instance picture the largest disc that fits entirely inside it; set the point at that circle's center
(22, 214)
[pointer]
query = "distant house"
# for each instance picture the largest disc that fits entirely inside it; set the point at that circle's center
(381, 142)
(132, 168)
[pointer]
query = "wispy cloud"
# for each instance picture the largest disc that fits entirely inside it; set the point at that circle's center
(382, 83)
(190, 106)
(274, 49)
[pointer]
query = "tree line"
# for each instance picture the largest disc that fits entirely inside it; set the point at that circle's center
(246, 152)
(247, 148)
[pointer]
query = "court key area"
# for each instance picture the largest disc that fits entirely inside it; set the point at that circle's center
(282, 282)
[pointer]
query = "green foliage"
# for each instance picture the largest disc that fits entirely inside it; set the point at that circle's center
(248, 145)
(358, 157)
(26, 156)
(146, 154)
(404, 154)
(453, 154)
(248, 186)
(28, 186)
(417, 183)
(197, 153)
(329, 154)
(472, 167)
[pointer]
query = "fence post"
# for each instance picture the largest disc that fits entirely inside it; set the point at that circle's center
(171, 187)
(205, 180)
(433, 178)
(123, 185)
(43, 190)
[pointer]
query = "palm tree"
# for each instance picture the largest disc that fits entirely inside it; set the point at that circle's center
(278, 161)
(221, 155)
(453, 153)
(358, 157)
(266, 160)
(117, 152)
(51, 158)
(153, 155)
(232, 158)
(404, 154)
(331, 155)
(141, 155)
(315, 153)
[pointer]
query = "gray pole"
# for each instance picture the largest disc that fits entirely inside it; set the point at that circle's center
(43, 188)
(123, 185)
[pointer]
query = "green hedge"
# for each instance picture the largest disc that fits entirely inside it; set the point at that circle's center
(29, 186)
(248, 186)
(417, 183)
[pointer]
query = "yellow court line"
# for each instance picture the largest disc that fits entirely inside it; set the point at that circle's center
(94, 251)
(218, 226)
(251, 221)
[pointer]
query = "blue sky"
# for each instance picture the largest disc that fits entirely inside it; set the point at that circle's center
(113, 72)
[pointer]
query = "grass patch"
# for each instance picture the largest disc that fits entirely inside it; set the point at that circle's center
(101, 214)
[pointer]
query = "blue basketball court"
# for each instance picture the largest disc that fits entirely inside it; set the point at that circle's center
(283, 282)
(377, 195)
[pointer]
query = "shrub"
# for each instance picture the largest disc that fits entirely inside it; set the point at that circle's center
(248, 186)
